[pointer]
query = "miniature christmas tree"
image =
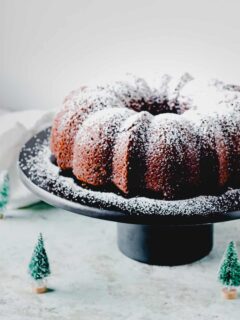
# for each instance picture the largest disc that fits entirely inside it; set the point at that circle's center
(39, 266)
(229, 272)
(4, 194)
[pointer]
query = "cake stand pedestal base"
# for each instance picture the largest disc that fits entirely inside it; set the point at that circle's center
(165, 245)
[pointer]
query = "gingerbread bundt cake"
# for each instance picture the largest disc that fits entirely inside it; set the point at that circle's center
(148, 141)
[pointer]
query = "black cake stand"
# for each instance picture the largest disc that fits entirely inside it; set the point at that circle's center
(160, 239)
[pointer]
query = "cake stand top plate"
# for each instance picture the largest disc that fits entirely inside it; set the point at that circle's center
(60, 189)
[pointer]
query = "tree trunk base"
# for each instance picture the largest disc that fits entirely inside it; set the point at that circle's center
(40, 290)
(229, 294)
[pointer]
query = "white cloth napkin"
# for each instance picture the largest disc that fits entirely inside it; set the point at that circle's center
(15, 129)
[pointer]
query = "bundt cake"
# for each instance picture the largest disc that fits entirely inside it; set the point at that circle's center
(149, 140)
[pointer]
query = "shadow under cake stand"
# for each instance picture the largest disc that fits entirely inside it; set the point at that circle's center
(150, 237)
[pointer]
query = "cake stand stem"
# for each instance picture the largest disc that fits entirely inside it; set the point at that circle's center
(165, 245)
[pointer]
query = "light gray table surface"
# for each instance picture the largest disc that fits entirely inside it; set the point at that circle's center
(92, 280)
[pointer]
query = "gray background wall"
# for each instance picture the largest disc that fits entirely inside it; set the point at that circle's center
(50, 47)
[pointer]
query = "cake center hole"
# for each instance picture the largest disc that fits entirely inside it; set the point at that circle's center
(157, 106)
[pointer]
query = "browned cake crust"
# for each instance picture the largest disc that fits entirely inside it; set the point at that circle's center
(129, 160)
(93, 153)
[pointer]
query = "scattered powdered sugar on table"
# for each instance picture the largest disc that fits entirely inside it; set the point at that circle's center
(36, 165)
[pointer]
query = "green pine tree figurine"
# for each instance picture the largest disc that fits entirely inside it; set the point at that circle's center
(39, 266)
(4, 194)
(229, 272)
